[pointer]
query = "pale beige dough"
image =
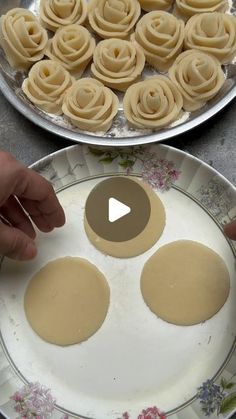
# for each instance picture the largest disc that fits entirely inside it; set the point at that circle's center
(90, 106)
(150, 5)
(187, 8)
(22, 38)
(67, 301)
(185, 283)
(118, 63)
(141, 243)
(57, 13)
(46, 85)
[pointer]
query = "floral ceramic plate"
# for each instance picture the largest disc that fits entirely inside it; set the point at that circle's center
(136, 365)
(120, 134)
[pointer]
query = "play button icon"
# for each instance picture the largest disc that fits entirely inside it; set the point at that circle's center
(117, 210)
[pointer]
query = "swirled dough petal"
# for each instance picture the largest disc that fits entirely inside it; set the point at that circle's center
(161, 36)
(73, 47)
(118, 63)
(185, 283)
(67, 301)
(214, 33)
(150, 5)
(152, 103)
(56, 13)
(187, 8)
(22, 38)
(46, 85)
(198, 76)
(90, 106)
(113, 18)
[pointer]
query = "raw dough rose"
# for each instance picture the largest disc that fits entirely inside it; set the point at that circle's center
(22, 38)
(118, 63)
(149, 5)
(56, 13)
(198, 76)
(113, 18)
(152, 103)
(187, 8)
(161, 35)
(73, 47)
(90, 106)
(214, 33)
(46, 85)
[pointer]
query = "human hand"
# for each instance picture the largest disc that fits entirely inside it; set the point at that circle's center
(25, 197)
(230, 230)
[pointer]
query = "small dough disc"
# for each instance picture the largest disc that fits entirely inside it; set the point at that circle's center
(143, 241)
(67, 301)
(185, 283)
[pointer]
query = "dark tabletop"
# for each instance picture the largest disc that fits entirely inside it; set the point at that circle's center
(214, 142)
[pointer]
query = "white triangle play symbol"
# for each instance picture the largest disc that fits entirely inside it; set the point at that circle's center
(117, 210)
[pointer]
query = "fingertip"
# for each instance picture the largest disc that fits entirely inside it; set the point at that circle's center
(29, 252)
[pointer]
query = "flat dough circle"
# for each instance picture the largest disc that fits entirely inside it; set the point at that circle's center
(67, 301)
(143, 241)
(185, 283)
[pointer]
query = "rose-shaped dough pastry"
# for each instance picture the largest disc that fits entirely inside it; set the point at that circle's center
(150, 5)
(152, 103)
(90, 106)
(22, 38)
(161, 36)
(56, 13)
(73, 47)
(214, 33)
(46, 85)
(118, 63)
(113, 18)
(187, 8)
(198, 76)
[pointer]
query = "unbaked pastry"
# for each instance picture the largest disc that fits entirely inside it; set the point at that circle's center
(143, 241)
(67, 301)
(187, 8)
(73, 47)
(150, 5)
(56, 13)
(118, 63)
(198, 76)
(22, 38)
(46, 85)
(214, 33)
(113, 18)
(161, 36)
(185, 283)
(90, 106)
(152, 103)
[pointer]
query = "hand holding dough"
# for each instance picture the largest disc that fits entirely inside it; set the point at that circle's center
(73, 47)
(56, 13)
(214, 33)
(150, 5)
(90, 106)
(152, 103)
(113, 18)
(46, 85)
(198, 76)
(161, 36)
(117, 63)
(67, 301)
(22, 38)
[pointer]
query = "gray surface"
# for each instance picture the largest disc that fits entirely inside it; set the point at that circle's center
(213, 142)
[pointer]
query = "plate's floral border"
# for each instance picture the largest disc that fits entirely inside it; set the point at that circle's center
(159, 173)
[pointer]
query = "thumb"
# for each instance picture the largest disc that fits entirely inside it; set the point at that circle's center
(15, 244)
